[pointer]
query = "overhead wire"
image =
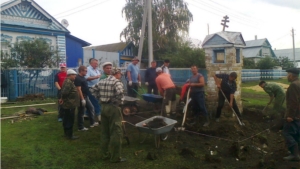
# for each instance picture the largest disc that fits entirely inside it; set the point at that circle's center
(237, 16)
(84, 9)
(221, 15)
(75, 7)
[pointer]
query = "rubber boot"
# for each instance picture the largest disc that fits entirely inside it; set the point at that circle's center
(195, 120)
(207, 122)
(294, 156)
(69, 134)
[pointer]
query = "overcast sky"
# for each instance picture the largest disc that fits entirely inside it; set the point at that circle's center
(100, 21)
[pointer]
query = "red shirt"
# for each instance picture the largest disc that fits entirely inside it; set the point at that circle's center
(60, 78)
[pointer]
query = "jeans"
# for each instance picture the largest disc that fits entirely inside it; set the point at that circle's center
(91, 113)
(198, 103)
(154, 87)
(68, 121)
(221, 104)
(130, 89)
(96, 104)
(291, 133)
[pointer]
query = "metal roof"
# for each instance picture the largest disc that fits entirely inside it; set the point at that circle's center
(288, 53)
(251, 52)
(254, 43)
(114, 47)
(230, 37)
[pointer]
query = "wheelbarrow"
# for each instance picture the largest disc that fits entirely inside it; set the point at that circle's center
(160, 134)
(130, 107)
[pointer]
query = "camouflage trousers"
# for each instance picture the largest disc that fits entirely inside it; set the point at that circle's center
(111, 132)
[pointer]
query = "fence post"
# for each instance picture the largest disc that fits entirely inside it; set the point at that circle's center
(15, 73)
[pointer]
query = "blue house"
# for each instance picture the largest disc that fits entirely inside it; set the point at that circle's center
(26, 20)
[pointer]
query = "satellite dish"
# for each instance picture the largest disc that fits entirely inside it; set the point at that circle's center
(65, 23)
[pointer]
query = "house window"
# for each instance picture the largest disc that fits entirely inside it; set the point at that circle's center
(5, 49)
(237, 55)
(219, 56)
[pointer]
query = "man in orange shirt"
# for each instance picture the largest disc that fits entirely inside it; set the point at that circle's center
(167, 89)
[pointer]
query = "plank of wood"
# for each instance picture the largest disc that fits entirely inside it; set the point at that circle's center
(10, 107)
(29, 115)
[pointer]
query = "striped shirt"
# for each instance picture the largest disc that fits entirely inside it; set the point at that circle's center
(108, 90)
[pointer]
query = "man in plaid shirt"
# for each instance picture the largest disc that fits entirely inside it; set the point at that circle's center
(110, 93)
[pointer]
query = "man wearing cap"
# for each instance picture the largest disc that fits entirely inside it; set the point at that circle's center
(166, 87)
(291, 128)
(150, 76)
(110, 93)
(83, 90)
(92, 76)
(59, 79)
(165, 66)
(69, 101)
(133, 78)
(275, 91)
(106, 68)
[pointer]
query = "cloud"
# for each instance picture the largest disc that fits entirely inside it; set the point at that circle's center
(286, 3)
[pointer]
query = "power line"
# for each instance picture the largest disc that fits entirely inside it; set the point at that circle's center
(75, 8)
(234, 15)
(84, 9)
(220, 15)
(279, 38)
(234, 10)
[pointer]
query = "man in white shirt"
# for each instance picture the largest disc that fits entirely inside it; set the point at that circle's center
(92, 76)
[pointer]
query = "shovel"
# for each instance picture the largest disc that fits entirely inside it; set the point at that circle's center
(185, 111)
(263, 111)
(242, 124)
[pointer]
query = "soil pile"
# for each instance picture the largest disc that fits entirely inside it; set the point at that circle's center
(259, 89)
(156, 123)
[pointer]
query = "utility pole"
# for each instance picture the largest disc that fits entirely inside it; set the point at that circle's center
(150, 41)
(142, 32)
(293, 45)
(224, 22)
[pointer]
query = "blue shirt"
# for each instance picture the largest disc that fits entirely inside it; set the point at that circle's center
(134, 72)
(90, 73)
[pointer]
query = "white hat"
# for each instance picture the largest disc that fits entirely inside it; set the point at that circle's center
(106, 63)
(159, 69)
(71, 72)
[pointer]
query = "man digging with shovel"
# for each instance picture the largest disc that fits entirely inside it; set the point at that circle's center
(276, 92)
(227, 89)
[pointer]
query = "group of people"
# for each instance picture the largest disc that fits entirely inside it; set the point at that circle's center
(290, 116)
(90, 90)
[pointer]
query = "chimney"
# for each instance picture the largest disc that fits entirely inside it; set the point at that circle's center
(255, 37)
(274, 48)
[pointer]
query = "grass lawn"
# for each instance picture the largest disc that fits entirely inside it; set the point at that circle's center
(39, 143)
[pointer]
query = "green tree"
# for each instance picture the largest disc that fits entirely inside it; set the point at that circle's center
(34, 54)
(266, 63)
(171, 20)
(284, 62)
(249, 63)
(186, 56)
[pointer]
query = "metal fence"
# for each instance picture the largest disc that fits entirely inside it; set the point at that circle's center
(32, 81)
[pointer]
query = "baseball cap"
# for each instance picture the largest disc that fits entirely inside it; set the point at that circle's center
(62, 65)
(135, 58)
(293, 70)
(159, 69)
(115, 70)
(71, 72)
(106, 63)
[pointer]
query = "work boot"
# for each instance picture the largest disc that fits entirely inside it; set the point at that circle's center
(207, 122)
(217, 119)
(294, 156)
(195, 120)
(69, 134)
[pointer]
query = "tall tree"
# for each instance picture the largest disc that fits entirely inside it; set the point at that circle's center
(171, 20)
(34, 54)
(284, 62)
